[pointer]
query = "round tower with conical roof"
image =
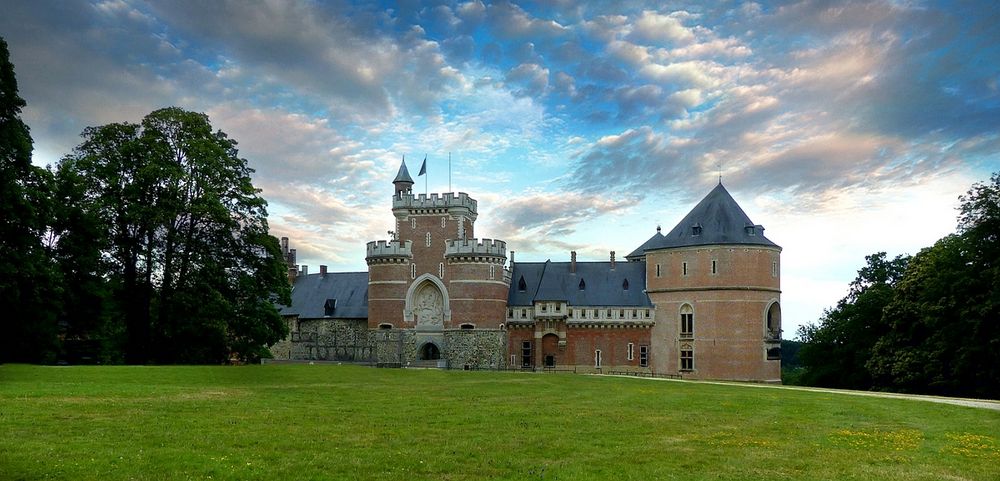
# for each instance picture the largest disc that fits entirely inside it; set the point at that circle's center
(715, 280)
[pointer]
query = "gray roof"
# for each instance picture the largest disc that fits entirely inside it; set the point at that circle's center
(603, 286)
(310, 294)
(717, 219)
(653, 241)
(403, 175)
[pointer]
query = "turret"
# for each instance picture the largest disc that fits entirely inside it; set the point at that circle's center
(403, 181)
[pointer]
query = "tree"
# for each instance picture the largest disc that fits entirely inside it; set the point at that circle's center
(835, 353)
(945, 334)
(193, 270)
(27, 287)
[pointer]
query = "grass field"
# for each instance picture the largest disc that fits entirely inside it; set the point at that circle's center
(300, 422)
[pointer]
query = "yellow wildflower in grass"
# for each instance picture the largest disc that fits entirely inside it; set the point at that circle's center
(973, 446)
(901, 440)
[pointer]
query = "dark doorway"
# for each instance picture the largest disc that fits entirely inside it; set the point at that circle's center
(550, 361)
(430, 352)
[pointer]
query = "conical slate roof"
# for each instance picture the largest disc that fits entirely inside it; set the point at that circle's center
(717, 219)
(403, 175)
(640, 251)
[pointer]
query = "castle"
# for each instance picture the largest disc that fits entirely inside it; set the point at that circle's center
(701, 301)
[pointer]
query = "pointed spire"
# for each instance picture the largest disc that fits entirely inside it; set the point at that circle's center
(403, 181)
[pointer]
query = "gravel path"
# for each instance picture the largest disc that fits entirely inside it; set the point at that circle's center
(973, 403)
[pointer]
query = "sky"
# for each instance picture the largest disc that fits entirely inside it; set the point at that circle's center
(844, 128)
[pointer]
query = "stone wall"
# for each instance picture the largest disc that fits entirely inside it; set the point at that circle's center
(476, 348)
(330, 340)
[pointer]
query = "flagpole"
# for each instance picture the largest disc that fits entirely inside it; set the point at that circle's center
(425, 175)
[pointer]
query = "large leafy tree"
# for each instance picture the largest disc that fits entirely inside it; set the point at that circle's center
(836, 351)
(945, 316)
(27, 287)
(193, 271)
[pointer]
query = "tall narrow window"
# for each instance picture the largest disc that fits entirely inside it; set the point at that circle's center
(630, 351)
(715, 269)
(684, 268)
(413, 222)
(513, 360)
(428, 239)
(687, 358)
(524, 313)
(413, 271)
(687, 321)
(657, 270)
(442, 222)
(441, 269)
(526, 354)
(643, 356)
(597, 358)
(625, 285)
(774, 269)
(493, 270)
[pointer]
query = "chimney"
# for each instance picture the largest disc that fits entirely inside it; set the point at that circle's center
(322, 270)
(572, 262)
(291, 257)
(293, 272)
(612, 260)
(284, 244)
(305, 270)
(512, 258)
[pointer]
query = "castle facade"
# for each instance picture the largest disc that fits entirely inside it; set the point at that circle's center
(702, 301)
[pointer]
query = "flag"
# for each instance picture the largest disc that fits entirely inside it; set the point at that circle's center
(423, 167)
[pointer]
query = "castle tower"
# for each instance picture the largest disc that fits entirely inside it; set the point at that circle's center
(715, 282)
(435, 277)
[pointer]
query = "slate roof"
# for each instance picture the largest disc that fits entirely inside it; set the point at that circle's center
(640, 251)
(553, 281)
(311, 292)
(403, 175)
(719, 219)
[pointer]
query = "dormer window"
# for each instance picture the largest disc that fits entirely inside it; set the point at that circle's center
(583, 285)
(750, 230)
(521, 285)
(625, 285)
(696, 229)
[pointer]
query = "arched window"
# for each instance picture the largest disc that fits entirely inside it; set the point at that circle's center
(687, 321)
(772, 321)
(583, 285)
(521, 285)
(428, 239)
(687, 357)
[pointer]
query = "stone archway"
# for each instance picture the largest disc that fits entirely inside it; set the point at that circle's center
(430, 352)
(427, 304)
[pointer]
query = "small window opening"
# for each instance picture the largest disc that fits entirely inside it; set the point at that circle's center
(525, 353)
(657, 270)
(625, 285)
(643, 356)
(385, 326)
(521, 285)
(714, 268)
(467, 326)
(696, 229)
(583, 285)
(684, 268)
(597, 358)
(630, 351)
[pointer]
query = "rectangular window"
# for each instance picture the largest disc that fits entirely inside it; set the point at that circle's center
(643, 356)
(714, 268)
(513, 360)
(621, 314)
(687, 360)
(441, 269)
(493, 270)
(583, 313)
(545, 307)
(684, 268)
(597, 358)
(609, 313)
(413, 271)
(647, 313)
(630, 352)
(774, 269)
(525, 353)
(635, 313)
(657, 270)
(524, 313)
(558, 307)
(687, 325)
(510, 313)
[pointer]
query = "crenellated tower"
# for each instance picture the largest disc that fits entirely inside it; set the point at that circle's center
(434, 276)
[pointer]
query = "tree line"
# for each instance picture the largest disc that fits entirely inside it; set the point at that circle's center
(927, 323)
(147, 243)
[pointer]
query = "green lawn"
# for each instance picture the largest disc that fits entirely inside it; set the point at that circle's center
(299, 422)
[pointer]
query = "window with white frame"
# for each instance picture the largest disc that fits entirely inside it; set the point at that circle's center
(630, 351)
(413, 222)
(687, 321)
(687, 357)
(441, 269)
(427, 239)
(597, 358)
(413, 271)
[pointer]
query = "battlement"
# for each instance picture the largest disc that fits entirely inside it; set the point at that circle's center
(434, 201)
(389, 249)
(479, 247)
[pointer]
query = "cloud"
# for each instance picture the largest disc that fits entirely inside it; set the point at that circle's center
(657, 29)
(532, 78)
